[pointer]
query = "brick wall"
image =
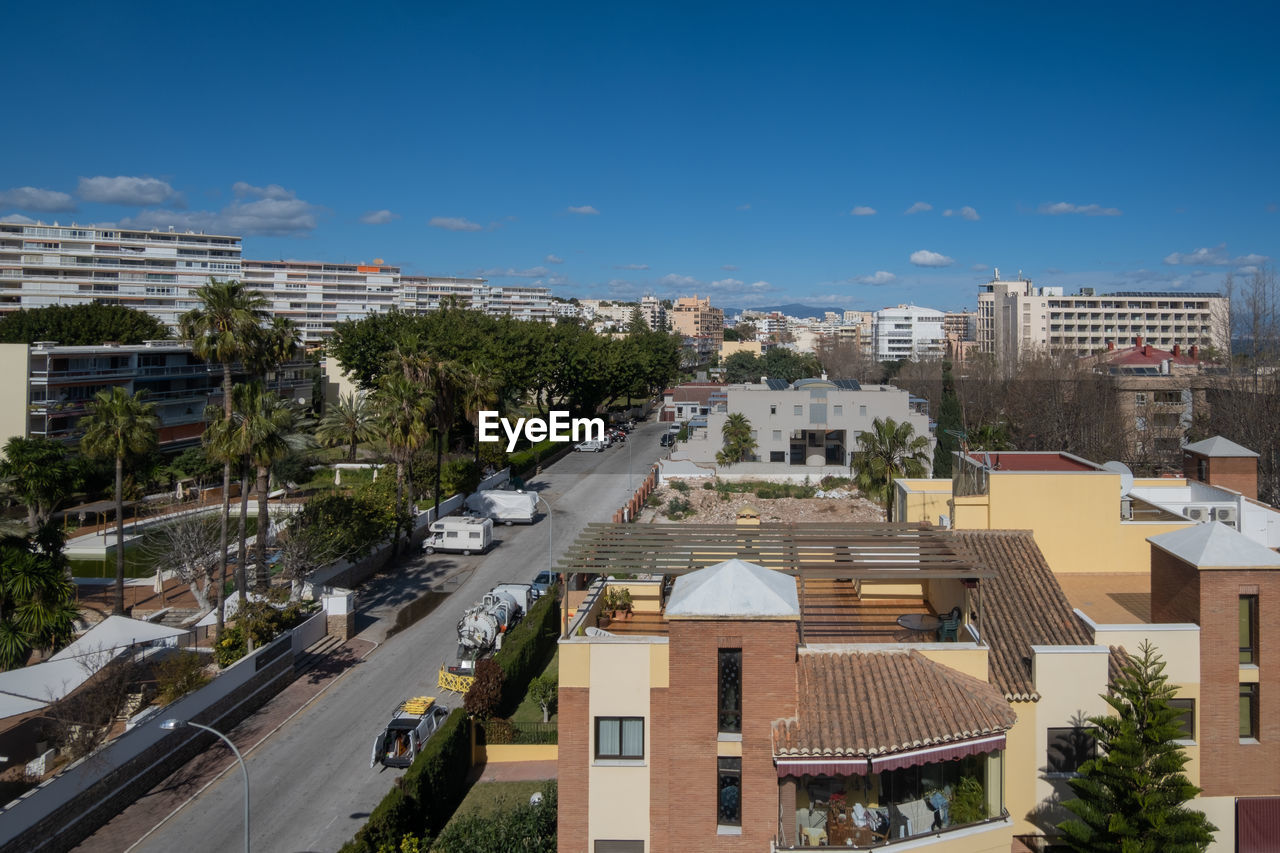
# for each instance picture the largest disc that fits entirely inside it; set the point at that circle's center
(572, 769)
(1228, 767)
(1175, 589)
(689, 769)
(1238, 474)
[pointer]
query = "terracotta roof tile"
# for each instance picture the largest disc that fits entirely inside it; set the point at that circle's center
(1023, 606)
(855, 705)
(1116, 662)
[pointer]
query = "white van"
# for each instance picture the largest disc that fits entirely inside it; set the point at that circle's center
(464, 536)
(506, 507)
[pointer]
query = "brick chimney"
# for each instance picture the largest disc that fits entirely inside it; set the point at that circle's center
(1146, 348)
(1111, 346)
(1195, 352)
(1177, 349)
(1137, 342)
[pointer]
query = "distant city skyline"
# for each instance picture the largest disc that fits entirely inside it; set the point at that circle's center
(850, 156)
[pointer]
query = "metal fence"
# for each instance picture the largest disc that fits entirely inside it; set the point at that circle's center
(511, 732)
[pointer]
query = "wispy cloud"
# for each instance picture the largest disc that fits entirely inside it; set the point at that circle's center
(584, 210)
(553, 259)
(510, 272)
(918, 207)
(863, 210)
(1216, 256)
(1062, 207)
(677, 281)
(736, 286)
(965, 212)
(38, 200)
(925, 258)
(454, 223)
(273, 212)
(18, 218)
(631, 267)
(126, 189)
(744, 207)
(729, 267)
(979, 267)
(877, 278)
(378, 217)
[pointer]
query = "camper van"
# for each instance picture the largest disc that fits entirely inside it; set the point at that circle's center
(504, 507)
(464, 536)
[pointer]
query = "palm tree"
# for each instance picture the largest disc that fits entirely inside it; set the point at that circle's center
(118, 424)
(403, 409)
(38, 473)
(480, 392)
(226, 328)
(279, 433)
(738, 443)
(444, 381)
(349, 421)
(888, 451)
(37, 598)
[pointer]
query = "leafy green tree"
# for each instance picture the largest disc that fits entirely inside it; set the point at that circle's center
(226, 328)
(403, 409)
(365, 347)
(119, 425)
(38, 472)
(37, 598)
(87, 324)
(887, 451)
(950, 422)
(543, 690)
(349, 421)
(1132, 798)
(742, 367)
(345, 526)
(479, 392)
(990, 437)
(738, 443)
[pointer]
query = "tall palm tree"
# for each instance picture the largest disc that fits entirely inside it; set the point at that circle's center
(280, 433)
(444, 380)
(403, 409)
(738, 443)
(226, 328)
(348, 421)
(888, 451)
(119, 424)
(480, 392)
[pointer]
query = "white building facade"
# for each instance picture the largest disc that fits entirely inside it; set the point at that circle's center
(907, 332)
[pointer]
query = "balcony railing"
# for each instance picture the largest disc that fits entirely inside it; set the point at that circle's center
(871, 841)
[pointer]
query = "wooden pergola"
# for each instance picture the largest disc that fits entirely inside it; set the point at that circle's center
(871, 552)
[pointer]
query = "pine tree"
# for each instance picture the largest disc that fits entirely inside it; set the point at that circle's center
(949, 423)
(1131, 799)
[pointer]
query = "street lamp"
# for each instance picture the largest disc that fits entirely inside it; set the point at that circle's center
(564, 581)
(174, 725)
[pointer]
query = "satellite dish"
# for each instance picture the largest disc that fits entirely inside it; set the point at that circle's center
(1126, 476)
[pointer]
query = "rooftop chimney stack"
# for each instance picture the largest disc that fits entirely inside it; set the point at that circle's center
(1137, 342)
(1177, 349)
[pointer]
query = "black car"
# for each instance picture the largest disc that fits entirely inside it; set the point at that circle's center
(668, 439)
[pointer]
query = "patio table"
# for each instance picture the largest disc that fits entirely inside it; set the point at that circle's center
(921, 623)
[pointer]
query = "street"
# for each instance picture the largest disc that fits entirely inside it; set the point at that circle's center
(312, 787)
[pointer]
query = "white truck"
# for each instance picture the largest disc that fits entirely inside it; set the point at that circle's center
(464, 536)
(482, 627)
(503, 506)
(412, 722)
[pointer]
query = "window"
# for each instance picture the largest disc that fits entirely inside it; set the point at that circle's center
(1140, 399)
(730, 787)
(1249, 629)
(862, 411)
(773, 410)
(1070, 747)
(729, 677)
(797, 410)
(1249, 711)
(620, 737)
(777, 456)
(777, 435)
(1187, 717)
(839, 410)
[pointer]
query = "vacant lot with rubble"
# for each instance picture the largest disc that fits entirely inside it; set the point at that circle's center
(718, 502)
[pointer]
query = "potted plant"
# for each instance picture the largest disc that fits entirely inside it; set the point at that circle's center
(617, 600)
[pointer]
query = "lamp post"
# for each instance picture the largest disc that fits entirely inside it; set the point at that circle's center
(564, 581)
(174, 725)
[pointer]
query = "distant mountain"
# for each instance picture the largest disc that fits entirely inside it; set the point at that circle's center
(791, 309)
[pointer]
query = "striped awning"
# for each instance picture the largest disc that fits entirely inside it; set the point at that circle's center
(894, 761)
(818, 767)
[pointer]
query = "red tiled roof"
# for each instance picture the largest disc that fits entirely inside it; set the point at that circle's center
(1145, 355)
(1117, 660)
(860, 705)
(1022, 606)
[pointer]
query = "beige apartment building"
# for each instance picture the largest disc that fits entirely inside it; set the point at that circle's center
(695, 318)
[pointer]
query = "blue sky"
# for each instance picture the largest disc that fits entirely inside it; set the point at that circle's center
(611, 150)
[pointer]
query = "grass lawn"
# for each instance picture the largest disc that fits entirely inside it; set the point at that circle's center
(322, 478)
(487, 799)
(529, 711)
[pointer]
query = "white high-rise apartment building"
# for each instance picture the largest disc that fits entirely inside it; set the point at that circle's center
(316, 295)
(155, 271)
(1016, 317)
(907, 332)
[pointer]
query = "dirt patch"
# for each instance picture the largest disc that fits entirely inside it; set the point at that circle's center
(710, 506)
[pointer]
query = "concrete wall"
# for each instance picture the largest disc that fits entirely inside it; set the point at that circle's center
(13, 390)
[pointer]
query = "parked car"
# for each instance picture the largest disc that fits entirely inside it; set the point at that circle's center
(668, 439)
(412, 724)
(589, 446)
(543, 582)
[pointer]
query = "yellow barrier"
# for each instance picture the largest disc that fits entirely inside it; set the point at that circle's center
(454, 682)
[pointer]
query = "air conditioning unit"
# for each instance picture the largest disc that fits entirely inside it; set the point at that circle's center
(1197, 513)
(1226, 515)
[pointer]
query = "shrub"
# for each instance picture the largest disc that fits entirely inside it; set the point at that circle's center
(707, 484)
(485, 695)
(179, 674)
(678, 508)
(499, 731)
(654, 501)
(680, 486)
(530, 828)
(527, 647)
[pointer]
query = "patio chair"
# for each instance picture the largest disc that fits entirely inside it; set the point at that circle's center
(950, 628)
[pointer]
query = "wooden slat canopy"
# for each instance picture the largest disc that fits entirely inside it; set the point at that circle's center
(814, 550)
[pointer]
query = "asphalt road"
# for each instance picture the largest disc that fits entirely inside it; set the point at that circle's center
(311, 784)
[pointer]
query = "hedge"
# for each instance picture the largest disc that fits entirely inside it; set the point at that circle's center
(542, 453)
(525, 650)
(428, 794)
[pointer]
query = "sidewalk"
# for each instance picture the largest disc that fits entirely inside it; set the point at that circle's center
(161, 802)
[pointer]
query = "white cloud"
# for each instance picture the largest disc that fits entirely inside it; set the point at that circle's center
(674, 280)
(276, 212)
(729, 267)
(1213, 257)
(454, 223)
(1083, 209)
(736, 286)
(17, 218)
(125, 189)
(553, 259)
(979, 267)
(925, 258)
(877, 278)
(1248, 270)
(965, 212)
(378, 217)
(919, 207)
(510, 272)
(41, 201)
(584, 210)
(631, 267)
(863, 210)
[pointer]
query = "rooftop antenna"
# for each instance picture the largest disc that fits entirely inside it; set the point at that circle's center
(997, 276)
